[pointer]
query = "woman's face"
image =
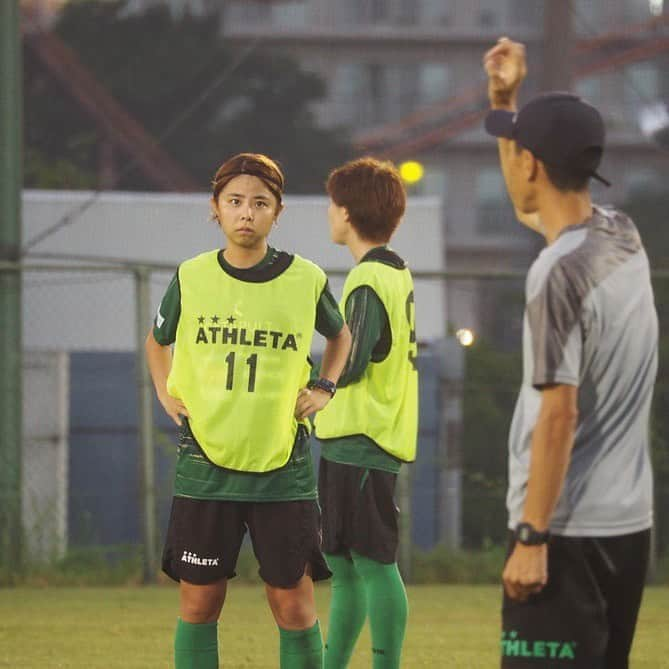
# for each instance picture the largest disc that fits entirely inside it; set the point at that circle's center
(246, 210)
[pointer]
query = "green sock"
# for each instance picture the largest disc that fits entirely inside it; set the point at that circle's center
(301, 649)
(348, 610)
(387, 608)
(196, 646)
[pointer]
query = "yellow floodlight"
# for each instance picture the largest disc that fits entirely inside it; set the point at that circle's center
(411, 171)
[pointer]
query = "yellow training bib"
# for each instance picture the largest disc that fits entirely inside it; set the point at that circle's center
(383, 404)
(240, 358)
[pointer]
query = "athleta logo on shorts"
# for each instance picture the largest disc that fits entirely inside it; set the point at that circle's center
(512, 646)
(192, 558)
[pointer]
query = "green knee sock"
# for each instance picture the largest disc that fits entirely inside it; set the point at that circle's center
(387, 609)
(301, 649)
(196, 646)
(348, 610)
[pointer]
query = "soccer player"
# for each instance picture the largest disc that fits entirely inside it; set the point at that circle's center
(580, 481)
(241, 320)
(369, 429)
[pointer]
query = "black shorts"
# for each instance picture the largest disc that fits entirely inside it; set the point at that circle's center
(359, 511)
(586, 615)
(204, 538)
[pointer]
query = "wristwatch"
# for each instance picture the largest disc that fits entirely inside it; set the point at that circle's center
(528, 536)
(323, 384)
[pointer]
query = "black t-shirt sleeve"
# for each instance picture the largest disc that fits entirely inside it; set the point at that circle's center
(367, 319)
(329, 320)
(167, 317)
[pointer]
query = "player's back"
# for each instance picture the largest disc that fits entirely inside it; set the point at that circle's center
(591, 309)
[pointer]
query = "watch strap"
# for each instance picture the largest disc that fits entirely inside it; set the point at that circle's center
(527, 535)
(323, 384)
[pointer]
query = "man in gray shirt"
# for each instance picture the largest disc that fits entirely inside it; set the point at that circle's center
(580, 479)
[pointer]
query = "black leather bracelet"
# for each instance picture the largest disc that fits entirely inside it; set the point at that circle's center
(323, 384)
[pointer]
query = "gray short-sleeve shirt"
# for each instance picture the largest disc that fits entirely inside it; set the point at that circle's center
(590, 321)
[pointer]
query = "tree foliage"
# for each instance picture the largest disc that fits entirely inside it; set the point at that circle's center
(492, 381)
(165, 72)
(648, 208)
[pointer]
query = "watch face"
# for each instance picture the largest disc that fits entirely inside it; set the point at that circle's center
(526, 534)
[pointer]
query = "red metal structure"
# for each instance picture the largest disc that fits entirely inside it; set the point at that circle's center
(437, 123)
(122, 130)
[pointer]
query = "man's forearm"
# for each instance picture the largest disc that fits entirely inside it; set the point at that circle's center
(505, 147)
(552, 442)
(506, 102)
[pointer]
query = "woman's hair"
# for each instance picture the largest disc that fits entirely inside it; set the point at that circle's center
(373, 194)
(253, 164)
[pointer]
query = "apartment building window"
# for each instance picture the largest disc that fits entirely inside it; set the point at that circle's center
(434, 81)
(370, 93)
(494, 211)
(396, 92)
(527, 13)
(434, 12)
(489, 13)
(377, 76)
(369, 12)
(642, 84)
(589, 15)
(590, 89)
(350, 93)
(346, 13)
(406, 12)
(641, 87)
(656, 7)
(434, 182)
(357, 13)
(244, 13)
(604, 91)
(291, 14)
(642, 180)
(240, 13)
(178, 8)
(386, 12)
(380, 11)
(637, 11)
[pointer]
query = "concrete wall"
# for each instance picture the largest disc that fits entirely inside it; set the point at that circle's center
(96, 310)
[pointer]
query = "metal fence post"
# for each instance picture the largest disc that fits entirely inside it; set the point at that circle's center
(11, 400)
(145, 425)
(451, 375)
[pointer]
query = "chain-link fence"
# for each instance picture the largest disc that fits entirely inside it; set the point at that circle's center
(97, 459)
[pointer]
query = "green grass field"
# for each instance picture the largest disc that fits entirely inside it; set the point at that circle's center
(454, 627)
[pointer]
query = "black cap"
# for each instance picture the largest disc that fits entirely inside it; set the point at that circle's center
(560, 129)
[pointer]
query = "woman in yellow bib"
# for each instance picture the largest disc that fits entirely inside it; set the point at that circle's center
(370, 428)
(241, 321)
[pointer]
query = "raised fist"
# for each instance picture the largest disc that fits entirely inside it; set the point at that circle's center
(506, 68)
